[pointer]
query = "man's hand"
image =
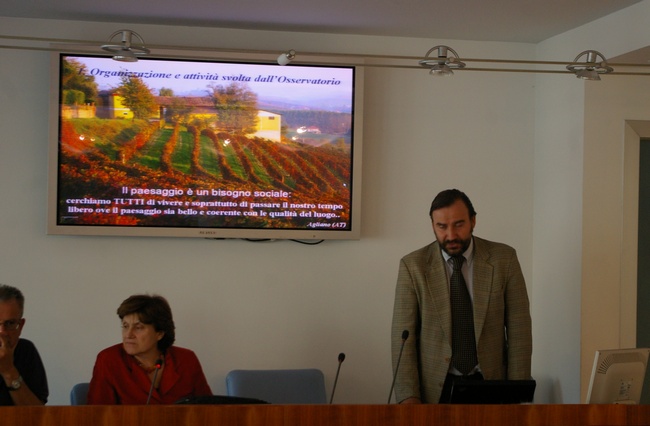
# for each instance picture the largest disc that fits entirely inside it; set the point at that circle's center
(7, 347)
(9, 372)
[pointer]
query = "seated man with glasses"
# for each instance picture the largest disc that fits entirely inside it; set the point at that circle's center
(21, 369)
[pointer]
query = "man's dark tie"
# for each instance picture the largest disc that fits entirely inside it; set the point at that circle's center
(463, 343)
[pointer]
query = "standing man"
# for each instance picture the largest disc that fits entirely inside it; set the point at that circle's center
(496, 343)
(23, 375)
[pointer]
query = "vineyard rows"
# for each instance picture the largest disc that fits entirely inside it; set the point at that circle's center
(173, 156)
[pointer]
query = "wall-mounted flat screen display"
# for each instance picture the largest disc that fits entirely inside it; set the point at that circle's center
(196, 148)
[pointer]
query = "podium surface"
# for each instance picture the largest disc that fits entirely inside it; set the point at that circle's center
(329, 415)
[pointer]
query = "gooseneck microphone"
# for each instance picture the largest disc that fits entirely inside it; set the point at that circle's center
(405, 335)
(336, 379)
(158, 366)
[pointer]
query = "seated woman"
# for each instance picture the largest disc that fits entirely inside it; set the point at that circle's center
(145, 368)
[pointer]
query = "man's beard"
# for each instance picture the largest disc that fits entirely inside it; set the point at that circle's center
(464, 245)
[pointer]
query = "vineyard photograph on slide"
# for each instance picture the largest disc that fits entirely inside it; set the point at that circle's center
(203, 146)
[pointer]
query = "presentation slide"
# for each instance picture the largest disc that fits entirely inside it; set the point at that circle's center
(198, 144)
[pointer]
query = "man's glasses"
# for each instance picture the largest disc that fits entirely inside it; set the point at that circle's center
(10, 325)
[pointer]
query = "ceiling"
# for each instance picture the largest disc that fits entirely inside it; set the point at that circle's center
(526, 21)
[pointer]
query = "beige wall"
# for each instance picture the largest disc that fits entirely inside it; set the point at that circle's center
(240, 304)
(611, 190)
(582, 161)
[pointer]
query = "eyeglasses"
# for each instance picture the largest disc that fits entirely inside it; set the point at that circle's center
(10, 325)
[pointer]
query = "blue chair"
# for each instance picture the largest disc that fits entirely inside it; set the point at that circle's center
(79, 394)
(301, 386)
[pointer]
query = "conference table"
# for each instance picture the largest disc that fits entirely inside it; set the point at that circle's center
(329, 415)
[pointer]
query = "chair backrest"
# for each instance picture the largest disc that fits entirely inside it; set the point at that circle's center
(79, 394)
(301, 386)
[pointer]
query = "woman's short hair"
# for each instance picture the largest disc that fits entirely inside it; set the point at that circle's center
(154, 310)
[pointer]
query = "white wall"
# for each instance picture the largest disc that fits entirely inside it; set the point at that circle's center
(510, 140)
(557, 238)
(611, 188)
(273, 305)
(578, 201)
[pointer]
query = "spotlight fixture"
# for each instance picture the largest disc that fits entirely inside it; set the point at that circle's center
(443, 64)
(594, 65)
(286, 57)
(126, 51)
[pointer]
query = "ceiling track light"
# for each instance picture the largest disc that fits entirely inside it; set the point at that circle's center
(126, 51)
(286, 57)
(442, 65)
(593, 65)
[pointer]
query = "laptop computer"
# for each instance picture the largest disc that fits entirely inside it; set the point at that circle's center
(219, 400)
(492, 392)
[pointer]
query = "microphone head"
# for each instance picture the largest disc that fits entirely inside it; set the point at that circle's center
(405, 334)
(159, 363)
(341, 357)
